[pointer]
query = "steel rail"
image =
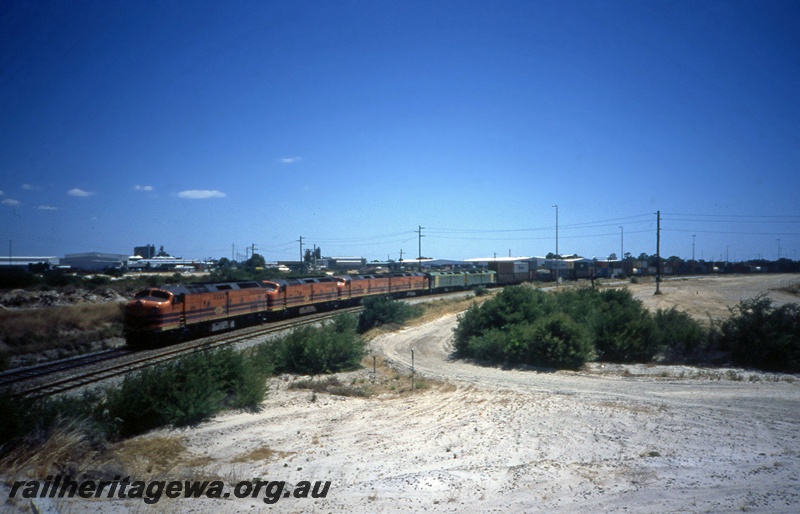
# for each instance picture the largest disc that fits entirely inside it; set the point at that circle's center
(160, 356)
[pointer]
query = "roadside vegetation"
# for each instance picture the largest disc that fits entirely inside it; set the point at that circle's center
(564, 330)
(179, 393)
(383, 310)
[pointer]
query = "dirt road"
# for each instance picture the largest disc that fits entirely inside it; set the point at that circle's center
(486, 439)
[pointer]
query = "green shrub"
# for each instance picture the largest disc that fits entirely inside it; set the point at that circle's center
(98, 280)
(680, 336)
(513, 305)
(30, 422)
(559, 342)
(518, 325)
(492, 345)
(185, 391)
(333, 347)
(179, 393)
(624, 331)
(14, 278)
(384, 310)
(555, 341)
(761, 335)
(481, 291)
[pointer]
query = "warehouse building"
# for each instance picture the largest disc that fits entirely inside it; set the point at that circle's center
(24, 263)
(94, 261)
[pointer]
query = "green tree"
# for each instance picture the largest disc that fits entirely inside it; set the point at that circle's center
(256, 261)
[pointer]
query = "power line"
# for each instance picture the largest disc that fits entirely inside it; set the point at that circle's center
(736, 215)
(730, 232)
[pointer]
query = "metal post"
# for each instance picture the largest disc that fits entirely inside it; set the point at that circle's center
(658, 252)
(412, 368)
(558, 270)
(419, 266)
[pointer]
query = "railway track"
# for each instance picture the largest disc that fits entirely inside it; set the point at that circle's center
(70, 374)
(28, 373)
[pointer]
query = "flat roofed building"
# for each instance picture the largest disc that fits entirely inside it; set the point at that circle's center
(94, 261)
(22, 262)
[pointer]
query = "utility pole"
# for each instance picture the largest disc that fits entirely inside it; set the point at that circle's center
(622, 248)
(301, 251)
(252, 249)
(557, 255)
(401, 255)
(419, 232)
(658, 252)
(233, 251)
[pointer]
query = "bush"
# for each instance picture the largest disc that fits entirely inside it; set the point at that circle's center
(525, 325)
(330, 348)
(179, 393)
(383, 310)
(513, 305)
(15, 278)
(680, 335)
(481, 291)
(624, 331)
(760, 335)
(30, 423)
(559, 342)
(518, 325)
(552, 342)
(185, 391)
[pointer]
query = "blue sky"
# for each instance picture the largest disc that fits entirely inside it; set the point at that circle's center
(207, 127)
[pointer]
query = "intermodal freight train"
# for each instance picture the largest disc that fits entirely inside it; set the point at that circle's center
(160, 314)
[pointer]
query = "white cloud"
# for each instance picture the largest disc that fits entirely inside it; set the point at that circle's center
(11, 202)
(201, 193)
(1, 193)
(47, 208)
(143, 188)
(79, 192)
(290, 160)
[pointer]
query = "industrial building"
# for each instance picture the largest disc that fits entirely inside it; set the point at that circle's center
(23, 262)
(94, 261)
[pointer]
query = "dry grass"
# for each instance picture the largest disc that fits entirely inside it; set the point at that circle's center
(261, 454)
(388, 381)
(66, 450)
(436, 309)
(332, 385)
(37, 330)
(149, 457)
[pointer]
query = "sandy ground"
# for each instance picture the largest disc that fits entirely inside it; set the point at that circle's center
(486, 439)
